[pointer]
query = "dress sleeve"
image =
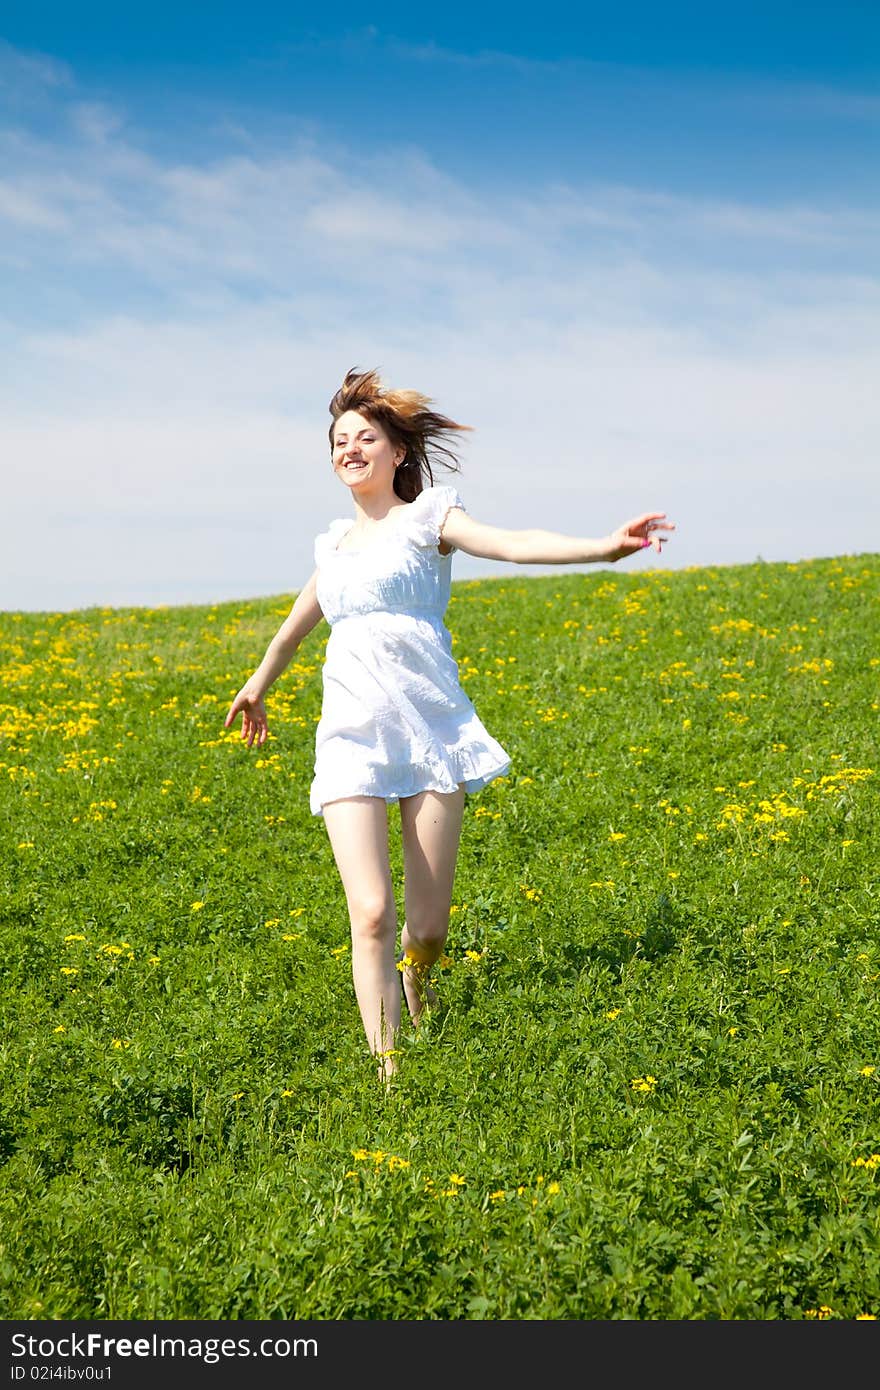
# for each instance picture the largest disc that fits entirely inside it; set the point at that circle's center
(431, 509)
(326, 543)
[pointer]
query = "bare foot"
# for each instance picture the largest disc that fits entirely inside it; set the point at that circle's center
(418, 991)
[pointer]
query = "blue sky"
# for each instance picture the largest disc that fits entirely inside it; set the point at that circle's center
(637, 251)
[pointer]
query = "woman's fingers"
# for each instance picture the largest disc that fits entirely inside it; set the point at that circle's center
(257, 729)
(253, 721)
(240, 705)
(649, 521)
(650, 529)
(641, 523)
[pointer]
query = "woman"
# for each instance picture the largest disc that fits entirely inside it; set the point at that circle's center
(396, 725)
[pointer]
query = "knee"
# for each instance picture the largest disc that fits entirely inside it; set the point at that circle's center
(372, 917)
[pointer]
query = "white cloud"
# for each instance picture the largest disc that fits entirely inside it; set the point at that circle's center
(25, 75)
(19, 206)
(96, 121)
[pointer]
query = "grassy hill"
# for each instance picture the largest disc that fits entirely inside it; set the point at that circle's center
(651, 1089)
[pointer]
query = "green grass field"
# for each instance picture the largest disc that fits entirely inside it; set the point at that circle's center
(651, 1088)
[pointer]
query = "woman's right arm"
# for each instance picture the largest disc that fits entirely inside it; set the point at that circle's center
(303, 616)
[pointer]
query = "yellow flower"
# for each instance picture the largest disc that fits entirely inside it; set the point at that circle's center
(196, 907)
(867, 1071)
(498, 1196)
(553, 1188)
(286, 1093)
(644, 1084)
(457, 1179)
(60, 1029)
(612, 1014)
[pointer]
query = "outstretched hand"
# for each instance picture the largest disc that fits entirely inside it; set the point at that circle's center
(254, 725)
(638, 534)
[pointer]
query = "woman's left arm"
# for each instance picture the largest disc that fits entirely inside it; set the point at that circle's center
(534, 547)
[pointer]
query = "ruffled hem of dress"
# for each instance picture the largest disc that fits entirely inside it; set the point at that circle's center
(462, 772)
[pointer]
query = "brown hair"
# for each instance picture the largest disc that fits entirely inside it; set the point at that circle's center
(408, 420)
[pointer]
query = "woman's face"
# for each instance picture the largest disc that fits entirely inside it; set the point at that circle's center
(363, 456)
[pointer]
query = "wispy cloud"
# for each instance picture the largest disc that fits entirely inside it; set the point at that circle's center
(769, 94)
(22, 208)
(369, 41)
(272, 221)
(24, 74)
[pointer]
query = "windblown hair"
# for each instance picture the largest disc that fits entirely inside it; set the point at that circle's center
(408, 420)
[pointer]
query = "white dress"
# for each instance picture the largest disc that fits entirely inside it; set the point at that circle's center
(394, 720)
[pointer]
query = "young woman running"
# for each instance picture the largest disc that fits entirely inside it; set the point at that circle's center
(395, 725)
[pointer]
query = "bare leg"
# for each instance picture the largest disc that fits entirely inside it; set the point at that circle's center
(358, 831)
(431, 828)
